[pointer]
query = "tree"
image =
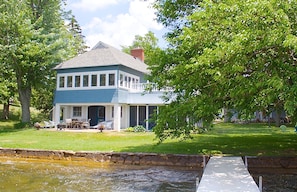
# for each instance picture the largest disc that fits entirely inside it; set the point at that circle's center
(7, 89)
(173, 14)
(79, 45)
(33, 40)
(42, 98)
(148, 42)
(234, 54)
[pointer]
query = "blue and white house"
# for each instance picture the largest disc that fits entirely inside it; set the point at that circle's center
(105, 84)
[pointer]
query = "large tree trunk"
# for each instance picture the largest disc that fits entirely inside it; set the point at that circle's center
(277, 118)
(25, 99)
(227, 115)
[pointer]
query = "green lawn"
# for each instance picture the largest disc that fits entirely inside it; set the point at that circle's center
(227, 139)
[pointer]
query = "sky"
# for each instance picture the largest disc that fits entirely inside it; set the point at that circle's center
(115, 22)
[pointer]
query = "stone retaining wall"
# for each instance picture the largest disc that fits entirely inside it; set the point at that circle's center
(272, 162)
(194, 161)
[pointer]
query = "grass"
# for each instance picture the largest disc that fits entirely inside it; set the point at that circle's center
(224, 138)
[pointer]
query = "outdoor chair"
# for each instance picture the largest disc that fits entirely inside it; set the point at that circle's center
(48, 124)
(86, 124)
(68, 123)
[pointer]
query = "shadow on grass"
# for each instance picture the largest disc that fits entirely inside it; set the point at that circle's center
(284, 144)
(9, 126)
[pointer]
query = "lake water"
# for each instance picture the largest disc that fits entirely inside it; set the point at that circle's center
(38, 175)
(68, 176)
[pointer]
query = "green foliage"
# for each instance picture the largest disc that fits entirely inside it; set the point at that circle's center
(138, 128)
(230, 54)
(33, 40)
(129, 129)
(148, 42)
(173, 14)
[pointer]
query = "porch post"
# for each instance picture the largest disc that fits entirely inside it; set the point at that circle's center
(56, 115)
(117, 117)
(137, 115)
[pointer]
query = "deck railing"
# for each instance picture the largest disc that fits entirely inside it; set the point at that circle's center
(142, 87)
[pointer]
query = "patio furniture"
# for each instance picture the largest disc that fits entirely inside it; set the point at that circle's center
(68, 123)
(49, 124)
(61, 126)
(77, 124)
(108, 125)
(86, 124)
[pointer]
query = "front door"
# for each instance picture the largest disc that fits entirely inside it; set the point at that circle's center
(96, 114)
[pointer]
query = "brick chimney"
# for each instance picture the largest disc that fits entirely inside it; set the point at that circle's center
(138, 53)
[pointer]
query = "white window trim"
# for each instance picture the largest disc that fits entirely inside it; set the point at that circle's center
(126, 84)
(81, 74)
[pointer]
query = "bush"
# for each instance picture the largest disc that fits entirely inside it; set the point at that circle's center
(129, 129)
(138, 128)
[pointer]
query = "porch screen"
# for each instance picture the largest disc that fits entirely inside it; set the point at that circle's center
(142, 116)
(133, 116)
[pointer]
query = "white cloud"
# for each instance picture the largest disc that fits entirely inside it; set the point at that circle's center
(93, 5)
(121, 29)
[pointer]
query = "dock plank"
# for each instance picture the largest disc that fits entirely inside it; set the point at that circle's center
(226, 174)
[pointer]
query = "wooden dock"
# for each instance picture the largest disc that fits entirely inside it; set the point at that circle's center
(226, 174)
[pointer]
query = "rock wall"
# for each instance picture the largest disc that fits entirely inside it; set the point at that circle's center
(194, 161)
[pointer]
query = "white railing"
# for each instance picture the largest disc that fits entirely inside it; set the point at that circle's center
(141, 87)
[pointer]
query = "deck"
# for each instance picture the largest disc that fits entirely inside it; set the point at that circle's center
(226, 174)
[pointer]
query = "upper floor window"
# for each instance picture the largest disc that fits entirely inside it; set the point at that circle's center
(121, 79)
(94, 81)
(88, 80)
(111, 79)
(85, 80)
(62, 82)
(128, 80)
(102, 79)
(69, 81)
(77, 81)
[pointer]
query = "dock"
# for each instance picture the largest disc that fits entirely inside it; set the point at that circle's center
(226, 174)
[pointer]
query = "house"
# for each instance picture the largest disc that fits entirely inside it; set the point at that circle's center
(105, 84)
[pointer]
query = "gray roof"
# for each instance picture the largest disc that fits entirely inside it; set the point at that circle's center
(104, 55)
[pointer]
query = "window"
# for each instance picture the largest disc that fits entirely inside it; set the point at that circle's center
(129, 82)
(76, 111)
(121, 79)
(85, 80)
(94, 81)
(77, 81)
(102, 79)
(69, 81)
(126, 79)
(111, 79)
(62, 82)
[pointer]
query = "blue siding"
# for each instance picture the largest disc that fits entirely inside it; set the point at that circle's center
(86, 96)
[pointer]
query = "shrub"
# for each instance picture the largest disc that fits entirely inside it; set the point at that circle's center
(129, 129)
(139, 128)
